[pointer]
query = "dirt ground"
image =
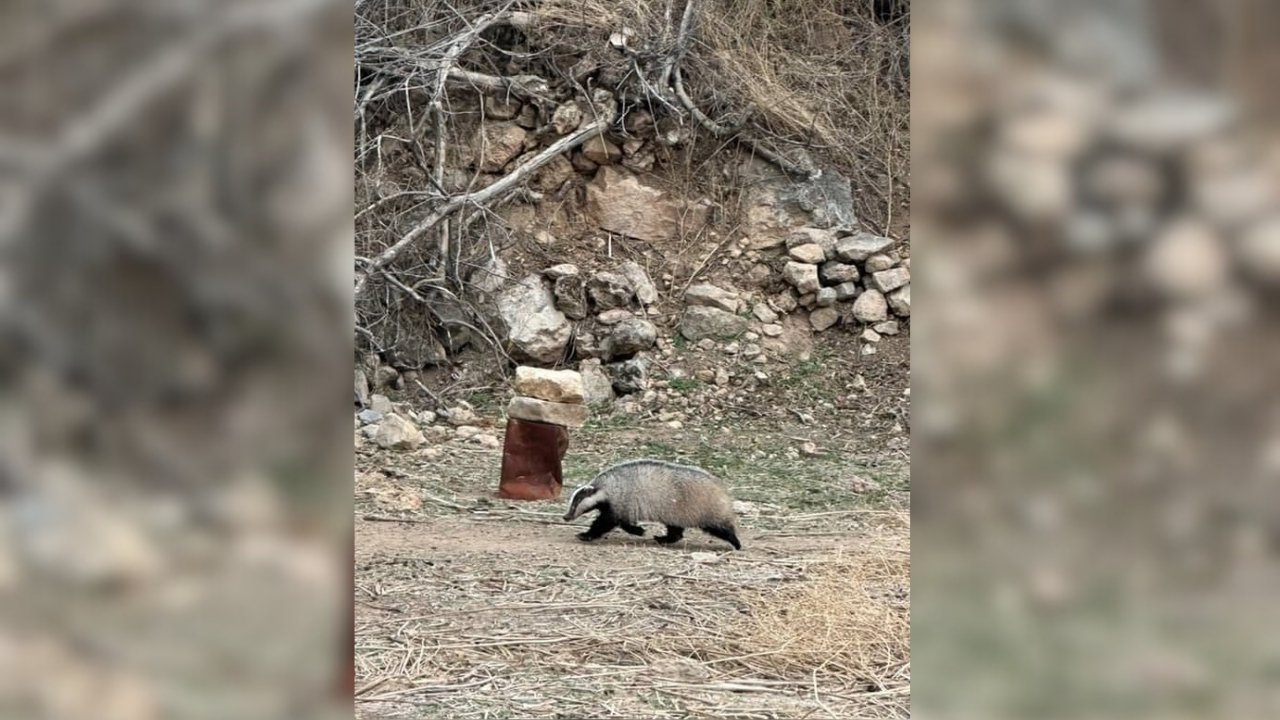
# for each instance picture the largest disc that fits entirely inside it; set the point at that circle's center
(473, 607)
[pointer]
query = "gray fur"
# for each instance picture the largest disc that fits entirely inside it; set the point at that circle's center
(657, 491)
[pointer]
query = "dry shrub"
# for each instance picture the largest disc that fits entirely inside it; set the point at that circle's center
(851, 619)
(827, 75)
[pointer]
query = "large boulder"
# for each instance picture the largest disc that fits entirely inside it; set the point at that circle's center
(707, 322)
(900, 301)
(534, 327)
(618, 202)
(777, 203)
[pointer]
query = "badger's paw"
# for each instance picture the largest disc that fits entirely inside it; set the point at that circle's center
(586, 536)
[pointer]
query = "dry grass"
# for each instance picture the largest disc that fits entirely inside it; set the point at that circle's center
(826, 75)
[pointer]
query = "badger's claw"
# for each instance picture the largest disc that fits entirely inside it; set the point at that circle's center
(586, 536)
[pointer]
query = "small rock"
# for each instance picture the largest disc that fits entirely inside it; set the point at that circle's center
(596, 385)
(632, 146)
(807, 300)
(381, 404)
(879, 263)
(1187, 260)
(809, 448)
(847, 291)
(501, 107)
(361, 388)
(764, 313)
(555, 272)
(706, 295)
(861, 245)
(640, 162)
(553, 175)
(900, 301)
(586, 345)
(811, 254)
(861, 485)
(706, 344)
(490, 277)
(699, 322)
(638, 122)
(533, 324)
(889, 327)
(771, 330)
(466, 432)
(868, 350)
(704, 557)
(785, 301)
(567, 118)
(640, 281)
(750, 336)
(890, 280)
(571, 297)
(732, 348)
(368, 416)
(722, 377)
(385, 376)
(759, 274)
(535, 410)
(825, 239)
(609, 290)
(397, 433)
(629, 337)
(870, 335)
(825, 297)
(835, 273)
(600, 151)
(497, 144)
(487, 441)
(528, 117)
(802, 276)
(750, 351)
(463, 415)
(562, 386)
(614, 316)
(629, 376)
(675, 425)
(581, 163)
(870, 307)
(823, 318)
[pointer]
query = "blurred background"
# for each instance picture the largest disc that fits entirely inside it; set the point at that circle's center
(1097, 438)
(175, 259)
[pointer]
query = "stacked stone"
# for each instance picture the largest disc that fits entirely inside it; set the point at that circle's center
(836, 269)
(555, 397)
(547, 403)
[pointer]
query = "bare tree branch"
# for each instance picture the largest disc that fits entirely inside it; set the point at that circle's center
(505, 184)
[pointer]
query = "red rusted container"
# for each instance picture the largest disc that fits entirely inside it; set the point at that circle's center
(531, 460)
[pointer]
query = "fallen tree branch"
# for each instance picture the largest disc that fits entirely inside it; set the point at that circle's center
(507, 183)
(525, 87)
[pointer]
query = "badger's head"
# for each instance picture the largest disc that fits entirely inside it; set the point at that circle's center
(582, 500)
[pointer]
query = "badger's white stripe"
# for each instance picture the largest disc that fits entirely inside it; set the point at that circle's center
(573, 498)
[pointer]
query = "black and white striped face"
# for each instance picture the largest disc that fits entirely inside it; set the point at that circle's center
(576, 506)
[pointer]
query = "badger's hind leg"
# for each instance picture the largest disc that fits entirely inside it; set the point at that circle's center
(633, 529)
(724, 533)
(604, 523)
(674, 534)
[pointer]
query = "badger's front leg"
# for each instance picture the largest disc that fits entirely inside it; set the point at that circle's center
(603, 524)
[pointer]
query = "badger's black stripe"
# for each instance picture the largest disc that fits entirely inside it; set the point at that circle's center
(726, 534)
(674, 534)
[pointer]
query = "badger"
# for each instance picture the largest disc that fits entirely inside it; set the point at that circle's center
(678, 496)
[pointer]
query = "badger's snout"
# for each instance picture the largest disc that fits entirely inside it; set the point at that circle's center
(568, 516)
